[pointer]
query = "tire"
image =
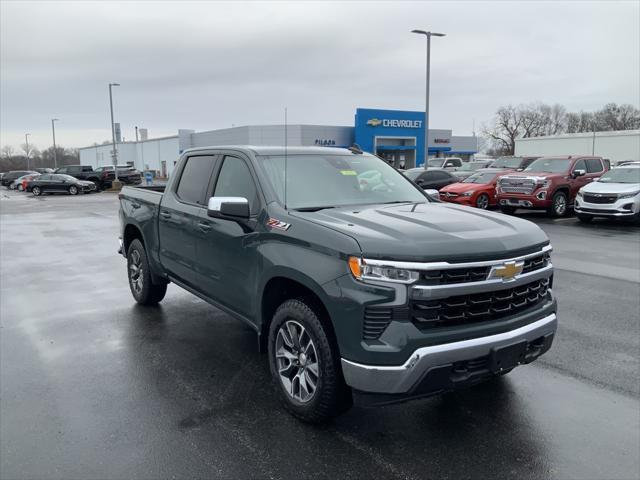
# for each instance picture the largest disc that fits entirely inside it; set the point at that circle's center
(482, 201)
(96, 183)
(584, 218)
(298, 340)
(508, 210)
(73, 190)
(138, 272)
(36, 191)
(559, 205)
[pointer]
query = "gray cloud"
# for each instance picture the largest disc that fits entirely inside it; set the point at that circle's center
(205, 65)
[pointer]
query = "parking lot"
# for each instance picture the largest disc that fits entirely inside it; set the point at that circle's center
(95, 386)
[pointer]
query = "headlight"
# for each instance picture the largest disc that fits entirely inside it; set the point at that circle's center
(579, 194)
(628, 195)
(362, 271)
(466, 194)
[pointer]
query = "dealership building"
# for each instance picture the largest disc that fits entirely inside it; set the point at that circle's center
(396, 136)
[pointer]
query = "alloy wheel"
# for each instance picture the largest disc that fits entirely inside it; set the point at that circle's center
(297, 361)
(135, 271)
(560, 205)
(482, 202)
(36, 191)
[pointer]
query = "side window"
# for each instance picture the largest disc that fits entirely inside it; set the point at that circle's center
(72, 170)
(436, 175)
(194, 179)
(594, 165)
(61, 170)
(44, 177)
(457, 162)
(579, 165)
(235, 180)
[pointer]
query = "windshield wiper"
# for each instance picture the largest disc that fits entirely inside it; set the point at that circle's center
(312, 209)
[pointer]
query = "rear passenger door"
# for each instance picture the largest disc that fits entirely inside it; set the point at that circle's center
(181, 208)
(227, 254)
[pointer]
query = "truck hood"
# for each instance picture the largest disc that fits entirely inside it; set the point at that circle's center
(431, 232)
(599, 187)
(535, 175)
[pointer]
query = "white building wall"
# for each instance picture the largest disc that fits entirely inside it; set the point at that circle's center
(616, 146)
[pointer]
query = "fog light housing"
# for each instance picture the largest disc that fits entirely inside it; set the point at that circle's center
(541, 195)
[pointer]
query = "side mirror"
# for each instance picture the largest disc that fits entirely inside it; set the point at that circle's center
(433, 194)
(578, 173)
(237, 207)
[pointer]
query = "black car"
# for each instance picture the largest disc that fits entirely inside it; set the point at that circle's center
(9, 177)
(82, 172)
(58, 183)
(126, 174)
(432, 178)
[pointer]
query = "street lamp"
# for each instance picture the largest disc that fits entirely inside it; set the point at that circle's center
(55, 153)
(426, 113)
(114, 152)
(26, 141)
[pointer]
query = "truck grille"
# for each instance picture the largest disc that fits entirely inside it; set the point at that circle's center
(477, 307)
(601, 198)
(475, 274)
(517, 185)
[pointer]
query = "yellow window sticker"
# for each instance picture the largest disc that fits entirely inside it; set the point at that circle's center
(348, 172)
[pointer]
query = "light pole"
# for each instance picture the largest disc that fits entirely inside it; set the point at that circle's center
(55, 153)
(114, 152)
(426, 109)
(26, 141)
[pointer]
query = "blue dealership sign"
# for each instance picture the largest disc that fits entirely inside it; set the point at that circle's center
(390, 124)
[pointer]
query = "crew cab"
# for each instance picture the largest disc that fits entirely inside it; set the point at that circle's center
(549, 183)
(365, 291)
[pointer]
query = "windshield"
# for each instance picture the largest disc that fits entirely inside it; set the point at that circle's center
(324, 181)
(621, 175)
(507, 162)
(471, 167)
(436, 162)
(480, 178)
(550, 165)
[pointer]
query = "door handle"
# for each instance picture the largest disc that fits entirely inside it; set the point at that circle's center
(205, 227)
(166, 215)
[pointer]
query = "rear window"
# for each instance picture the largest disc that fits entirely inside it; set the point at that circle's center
(195, 179)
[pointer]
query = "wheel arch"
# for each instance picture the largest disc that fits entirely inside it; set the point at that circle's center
(283, 286)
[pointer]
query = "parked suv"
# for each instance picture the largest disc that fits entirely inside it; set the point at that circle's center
(126, 174)
(549, 183)
(81, 172)
(356, 290)
(616, 194)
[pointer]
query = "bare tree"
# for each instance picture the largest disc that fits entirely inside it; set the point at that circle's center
(7, 151)
(507, 126)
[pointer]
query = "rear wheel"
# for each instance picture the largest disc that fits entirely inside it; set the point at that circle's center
(508, 210)
(73, 190)
(584, 218)
(36, 191)
(304, 364)
(142, 288)
(482, 201)
(558, 206)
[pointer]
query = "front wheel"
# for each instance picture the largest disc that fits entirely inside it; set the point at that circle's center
(304, 364)
(558, 206)
(73, 190)
(482, 201)
(143, 290)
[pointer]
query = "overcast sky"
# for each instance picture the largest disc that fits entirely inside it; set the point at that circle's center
(207, 65)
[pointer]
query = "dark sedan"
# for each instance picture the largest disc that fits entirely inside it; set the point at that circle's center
(433, 178)
(58, 183)
(9, 177)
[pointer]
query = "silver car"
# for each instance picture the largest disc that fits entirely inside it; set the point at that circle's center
(614, 194)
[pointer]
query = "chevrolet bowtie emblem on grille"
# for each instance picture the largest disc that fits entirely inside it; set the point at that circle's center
(507, 271)
(374, 122)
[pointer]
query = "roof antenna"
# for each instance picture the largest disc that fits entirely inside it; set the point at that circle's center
(285, 158)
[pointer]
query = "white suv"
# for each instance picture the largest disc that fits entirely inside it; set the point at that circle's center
(614, 194)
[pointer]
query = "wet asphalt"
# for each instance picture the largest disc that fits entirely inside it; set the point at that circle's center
(94, 386)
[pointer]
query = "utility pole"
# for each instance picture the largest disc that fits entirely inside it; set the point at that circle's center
(26, 141)
(114, 152)
(426, 109)
(55, 152)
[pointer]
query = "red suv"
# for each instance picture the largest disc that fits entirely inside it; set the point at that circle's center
(549, 183)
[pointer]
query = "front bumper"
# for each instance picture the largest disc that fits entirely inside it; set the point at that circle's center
(416, 376)
(539, 199)
(624, 207)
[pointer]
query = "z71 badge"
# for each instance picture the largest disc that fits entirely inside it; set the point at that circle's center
(275, 223)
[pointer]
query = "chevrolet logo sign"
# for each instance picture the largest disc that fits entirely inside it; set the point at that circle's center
(507, 271)
(374, 122)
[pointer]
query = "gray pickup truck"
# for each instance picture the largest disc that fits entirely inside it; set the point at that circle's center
(359, 285)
